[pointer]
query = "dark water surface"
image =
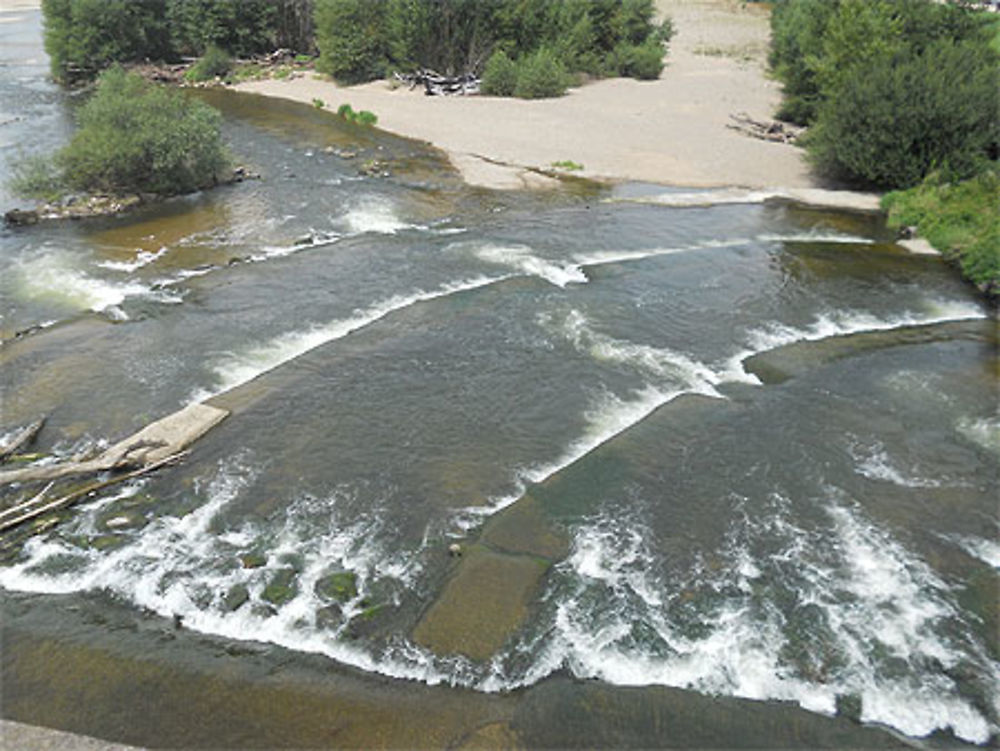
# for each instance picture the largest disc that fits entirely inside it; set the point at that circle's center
(745, 450)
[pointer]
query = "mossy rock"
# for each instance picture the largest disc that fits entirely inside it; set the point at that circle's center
(235, 598)
(253, 559)
(366, 622)
(341, 586)
(331, 617)
(281, 588)
(106, 542)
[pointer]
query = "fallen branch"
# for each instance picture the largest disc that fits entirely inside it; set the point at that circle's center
(21, 439)
(765, 130)
(28, 510)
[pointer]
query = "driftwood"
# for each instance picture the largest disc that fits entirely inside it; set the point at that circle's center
(36, 506)
(156, 441)
(22, 438)
(437, 85)
(765, 130)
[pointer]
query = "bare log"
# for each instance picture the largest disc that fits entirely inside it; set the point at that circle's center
(21, 439)
(34, 507)
(156, 441)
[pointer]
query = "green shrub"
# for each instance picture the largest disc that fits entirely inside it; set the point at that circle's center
(541, 75)
(961, 220)
(894, 120)
(345, 111)
(364, 117)
(500, 75)
(216, 62)
(318, 103)
(137, 137)
(241, 26)
(643, 61)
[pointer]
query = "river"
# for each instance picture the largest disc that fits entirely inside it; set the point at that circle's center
(746, 450)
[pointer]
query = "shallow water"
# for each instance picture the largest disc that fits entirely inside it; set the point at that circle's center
(766, 436)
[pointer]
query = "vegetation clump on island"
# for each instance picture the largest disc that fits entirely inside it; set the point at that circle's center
(902, 95)
(525, 48)
(133, 138)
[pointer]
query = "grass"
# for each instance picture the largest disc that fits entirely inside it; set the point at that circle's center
(568, 165)
(364, 117)
(959, 219)
(318, 103)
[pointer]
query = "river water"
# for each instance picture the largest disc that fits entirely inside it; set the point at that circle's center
(764, 437)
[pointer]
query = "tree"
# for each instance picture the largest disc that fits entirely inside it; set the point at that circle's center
(137, 137)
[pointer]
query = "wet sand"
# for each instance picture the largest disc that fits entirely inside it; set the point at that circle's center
(671, 131)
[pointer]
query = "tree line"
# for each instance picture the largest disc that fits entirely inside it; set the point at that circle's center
(83, 37)
(528, 47)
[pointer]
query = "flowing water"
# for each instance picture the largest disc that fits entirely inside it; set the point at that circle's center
(766, 436)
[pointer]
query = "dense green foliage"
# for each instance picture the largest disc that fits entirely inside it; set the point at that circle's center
(83, 37)
(893, 88)
(512, 42)
(961, 220)
(133, 137)
(215, 62)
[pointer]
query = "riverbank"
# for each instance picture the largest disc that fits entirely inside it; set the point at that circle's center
(671, 131)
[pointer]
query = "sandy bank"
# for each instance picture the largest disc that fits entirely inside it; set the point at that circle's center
(670, 131)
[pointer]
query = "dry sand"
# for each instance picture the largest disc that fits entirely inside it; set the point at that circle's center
(671, 131)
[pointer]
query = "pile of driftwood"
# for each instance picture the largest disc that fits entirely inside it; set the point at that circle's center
(765, 130)
(157, 445)
(437, 85)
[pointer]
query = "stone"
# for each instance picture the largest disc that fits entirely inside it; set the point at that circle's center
(341, 586)
(21, 217)
(281, 588)
(253, 559)
(237, 595)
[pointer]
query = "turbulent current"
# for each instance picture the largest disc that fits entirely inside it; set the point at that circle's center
(766, 436)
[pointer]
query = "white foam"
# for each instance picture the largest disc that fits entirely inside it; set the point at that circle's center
(374, 215)
(238, 368)
(53, 276)
(182, 566)
(703, 198)
(885, 615)
(987, 551)
(521, 258)
(845, 323)
(983, 431)
(876, 464)
(142, 258)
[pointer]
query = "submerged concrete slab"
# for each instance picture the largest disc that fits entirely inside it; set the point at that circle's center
(483, 604)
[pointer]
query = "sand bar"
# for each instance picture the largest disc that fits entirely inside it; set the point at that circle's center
(671, 131)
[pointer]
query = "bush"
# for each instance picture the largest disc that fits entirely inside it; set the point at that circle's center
(216, 62)
(643, 61)
(500, 75)
(241, 26)
(541, 75)
(136, 137)
(898, 118)
(797, 33)
(961, 220)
